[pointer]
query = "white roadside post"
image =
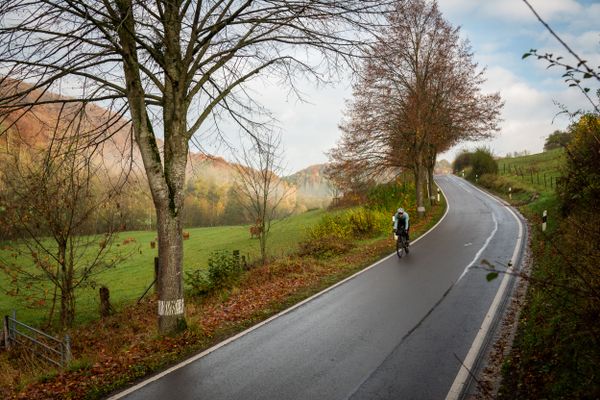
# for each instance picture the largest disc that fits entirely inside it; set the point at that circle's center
(544, 219)
(510, 193)
(438, 195)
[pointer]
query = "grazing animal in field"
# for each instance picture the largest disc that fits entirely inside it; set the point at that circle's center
(255, 231)
(186, 235)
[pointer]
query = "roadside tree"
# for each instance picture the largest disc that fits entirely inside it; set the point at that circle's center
(174, 69)
(419, 92)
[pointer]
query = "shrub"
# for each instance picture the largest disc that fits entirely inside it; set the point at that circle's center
(223, 268)
(482, 162)
(198, 282)
(387, 197)
(325, 247)
(333, 234)
(462, 161)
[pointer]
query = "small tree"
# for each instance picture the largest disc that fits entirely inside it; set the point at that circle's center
(419, 93)
(52, 199)
(259, 186)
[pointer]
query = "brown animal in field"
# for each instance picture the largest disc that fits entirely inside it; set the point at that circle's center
(255, 231)
(186, 235)
(129, 240)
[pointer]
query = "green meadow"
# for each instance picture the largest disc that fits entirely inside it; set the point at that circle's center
(130, 278)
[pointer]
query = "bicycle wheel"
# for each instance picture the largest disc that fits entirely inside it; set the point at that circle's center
(400, 246)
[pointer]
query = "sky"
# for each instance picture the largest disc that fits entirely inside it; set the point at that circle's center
(500, 32)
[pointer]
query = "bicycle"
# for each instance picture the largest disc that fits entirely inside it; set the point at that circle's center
(401, 242)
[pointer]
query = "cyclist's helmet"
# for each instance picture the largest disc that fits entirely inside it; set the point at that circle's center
(401, 211)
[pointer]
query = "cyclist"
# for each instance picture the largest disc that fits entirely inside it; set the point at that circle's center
(401, 219)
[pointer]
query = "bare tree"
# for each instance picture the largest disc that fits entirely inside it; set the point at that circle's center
(418, 94)
(259, 187)
(174, 69)
(52, 198)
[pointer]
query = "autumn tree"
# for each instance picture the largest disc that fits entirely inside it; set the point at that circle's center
(419, 92)
(174, 69)
(259, 186)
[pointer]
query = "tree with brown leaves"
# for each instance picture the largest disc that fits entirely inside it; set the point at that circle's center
(418, 94)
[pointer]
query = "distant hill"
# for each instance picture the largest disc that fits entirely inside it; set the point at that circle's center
(207, 176)
(311, 181)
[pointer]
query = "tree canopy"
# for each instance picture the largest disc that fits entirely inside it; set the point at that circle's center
(418, 93)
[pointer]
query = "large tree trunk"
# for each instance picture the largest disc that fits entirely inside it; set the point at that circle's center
(419, 172)
(170, 253)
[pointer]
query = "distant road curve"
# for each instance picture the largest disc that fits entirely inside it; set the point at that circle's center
(400, 329)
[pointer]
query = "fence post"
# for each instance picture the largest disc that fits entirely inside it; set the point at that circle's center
(544, 220)
(14, 318)
(156, 272)
(67, 351)
(5, 333)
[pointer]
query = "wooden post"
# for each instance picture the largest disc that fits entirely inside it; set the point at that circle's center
(6, 334)
(156, 272)
(67, 351)
(105, 307)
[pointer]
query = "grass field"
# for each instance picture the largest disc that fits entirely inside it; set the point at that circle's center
(536, 172)
(132, 276)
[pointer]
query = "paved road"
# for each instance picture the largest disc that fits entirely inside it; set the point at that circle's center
(395, 331)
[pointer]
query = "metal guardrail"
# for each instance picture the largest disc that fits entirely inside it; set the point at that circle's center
(47, 347)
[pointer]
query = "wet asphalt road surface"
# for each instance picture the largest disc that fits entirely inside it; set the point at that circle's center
(399, 330)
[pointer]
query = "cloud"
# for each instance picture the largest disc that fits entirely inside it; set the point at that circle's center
(511, 10)
(529, 114)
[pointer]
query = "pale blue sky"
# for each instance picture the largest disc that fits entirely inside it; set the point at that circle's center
(500, 31)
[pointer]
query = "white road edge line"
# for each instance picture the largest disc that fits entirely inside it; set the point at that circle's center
(485, 245)
(467, 365)
(247, 331)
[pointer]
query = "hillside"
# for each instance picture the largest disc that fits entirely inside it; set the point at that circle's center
(209, 178)
(311, 183)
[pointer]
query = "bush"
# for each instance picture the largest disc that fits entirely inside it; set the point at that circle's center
(462, 161)
(333, 234)
(223, 268)
(325, 247)
(580, 186)
(387, 197)
(482, 162)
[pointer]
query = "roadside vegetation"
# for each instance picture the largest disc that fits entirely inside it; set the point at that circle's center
(557, 346)
(225, 294)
